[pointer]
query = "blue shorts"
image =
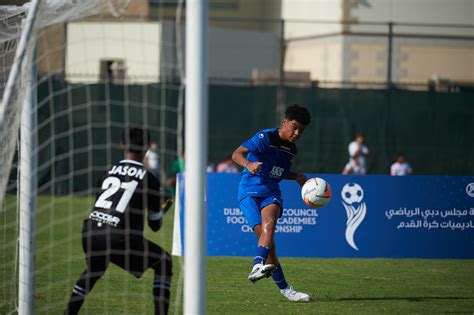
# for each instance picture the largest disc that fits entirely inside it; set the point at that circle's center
(252, 206)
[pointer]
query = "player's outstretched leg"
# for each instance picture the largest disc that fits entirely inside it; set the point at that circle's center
(79, 293)
(287, 290)
(265, 232)
(260, 270)
(161, 285)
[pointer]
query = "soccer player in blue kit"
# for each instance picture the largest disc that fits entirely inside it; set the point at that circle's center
(267, 158)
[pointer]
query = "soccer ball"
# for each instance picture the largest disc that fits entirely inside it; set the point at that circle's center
(352, 193)
(316, 192)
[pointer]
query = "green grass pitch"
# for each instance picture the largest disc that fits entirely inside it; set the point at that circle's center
(336, 285)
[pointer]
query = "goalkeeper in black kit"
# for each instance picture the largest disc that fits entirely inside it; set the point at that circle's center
(113, 232)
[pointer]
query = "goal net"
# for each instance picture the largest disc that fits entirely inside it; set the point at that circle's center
(101, 66)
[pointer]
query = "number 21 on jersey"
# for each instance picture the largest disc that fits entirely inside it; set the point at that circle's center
(111, 186)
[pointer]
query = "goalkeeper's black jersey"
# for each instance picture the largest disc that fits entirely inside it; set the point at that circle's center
(125, 191)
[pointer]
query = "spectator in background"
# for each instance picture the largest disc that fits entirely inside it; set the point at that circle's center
(227, 166)
(152, 159)
(401, 167)
(210, 167)
(353, 167)
(177, 167)
(358, 153)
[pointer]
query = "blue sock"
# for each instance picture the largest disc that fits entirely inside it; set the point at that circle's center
(279, 278)
(261, 255)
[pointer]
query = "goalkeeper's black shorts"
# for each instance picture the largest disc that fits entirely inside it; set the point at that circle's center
(133, 253)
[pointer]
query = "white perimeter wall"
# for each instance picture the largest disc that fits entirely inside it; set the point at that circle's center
(336, 57)
(233, 54)
(327, 10)
(321, 57)
(90, 42)
(384, 11)
(416, 11)
(364, 59)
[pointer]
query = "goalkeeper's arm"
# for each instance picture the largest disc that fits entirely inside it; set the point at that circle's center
(159, 202)
(155, 218)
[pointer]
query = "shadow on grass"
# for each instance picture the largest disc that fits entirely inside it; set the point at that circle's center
(407, 298)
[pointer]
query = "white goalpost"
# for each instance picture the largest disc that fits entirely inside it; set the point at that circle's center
(28, 184)
(196, 158)
(27, 191)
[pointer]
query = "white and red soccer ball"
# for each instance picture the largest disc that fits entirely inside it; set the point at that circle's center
(316, 192)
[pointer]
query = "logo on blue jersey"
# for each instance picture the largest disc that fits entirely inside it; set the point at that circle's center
(276, 172)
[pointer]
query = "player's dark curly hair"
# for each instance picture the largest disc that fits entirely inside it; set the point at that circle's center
(298, 113)
(135, 140)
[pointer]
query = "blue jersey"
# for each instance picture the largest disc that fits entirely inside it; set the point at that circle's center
(276, 155)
